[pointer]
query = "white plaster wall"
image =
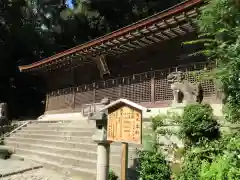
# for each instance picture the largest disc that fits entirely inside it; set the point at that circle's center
(217, 108)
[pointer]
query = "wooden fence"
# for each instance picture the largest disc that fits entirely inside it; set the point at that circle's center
(148, 87)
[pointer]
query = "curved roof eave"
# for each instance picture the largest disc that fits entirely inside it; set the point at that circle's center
(142, 23)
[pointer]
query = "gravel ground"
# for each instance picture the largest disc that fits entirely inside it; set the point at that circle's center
(37, 174)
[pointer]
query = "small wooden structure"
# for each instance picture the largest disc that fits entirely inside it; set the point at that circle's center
(124, 125)
(124, 121)
(131, 63)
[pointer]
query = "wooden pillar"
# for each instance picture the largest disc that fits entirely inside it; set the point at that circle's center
(73, 98)
(94, 92)
(153, 89)
(102, 65)
(46, 103)
(124, 163)
(119, 88)
(73, 90)
(94, 97)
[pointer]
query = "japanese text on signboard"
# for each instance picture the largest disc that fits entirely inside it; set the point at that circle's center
(125, 125)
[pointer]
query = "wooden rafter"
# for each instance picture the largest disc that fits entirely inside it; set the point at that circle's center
(175, 22)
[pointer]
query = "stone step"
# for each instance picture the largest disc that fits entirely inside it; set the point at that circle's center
(59, 128)
(115, 158)
(81, 139)
(60, 151)
(91, 146)
(88, 146)
(59, 159)
(52, 137)
(80, 124)
(60, 133)
(71, 171)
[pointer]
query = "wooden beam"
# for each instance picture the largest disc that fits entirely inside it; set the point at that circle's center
(170, 32)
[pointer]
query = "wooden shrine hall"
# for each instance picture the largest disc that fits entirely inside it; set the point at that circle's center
(132, 62)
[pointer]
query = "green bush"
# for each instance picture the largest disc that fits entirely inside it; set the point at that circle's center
(198, 123)
(112, 175)
(215, 160)
(219, 28)
(157, 121)
(226, 165)
(153, 166)
(223, 167)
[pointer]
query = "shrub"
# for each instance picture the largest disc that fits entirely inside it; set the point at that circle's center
(153, 166)
(218, 160)
(226, 164)
(223, 167)
(112, 175)
(219, 28)
(198, 123)
(157, 121)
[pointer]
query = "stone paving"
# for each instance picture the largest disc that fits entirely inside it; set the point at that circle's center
(37, 174)
(20, 170)
(8, 167)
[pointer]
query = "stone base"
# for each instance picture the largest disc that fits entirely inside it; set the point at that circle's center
(178, 108)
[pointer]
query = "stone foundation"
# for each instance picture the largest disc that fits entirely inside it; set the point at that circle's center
(217, 109)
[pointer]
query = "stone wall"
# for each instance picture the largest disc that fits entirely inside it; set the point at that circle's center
(167, 137)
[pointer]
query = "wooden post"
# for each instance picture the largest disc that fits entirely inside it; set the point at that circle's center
(73, 99)
(47, 103)
(124, 163)
(153, 88)
(73, 92)
(119, 90)
(94, 98)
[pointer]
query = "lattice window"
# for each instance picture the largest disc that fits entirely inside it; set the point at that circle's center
(83, 95)
(52, 103)
(61, 99)
(109, 89)
(137, 88)
(193, 73)
(162, 87)
(66, 98)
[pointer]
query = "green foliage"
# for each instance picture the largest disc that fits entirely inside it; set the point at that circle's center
(219, 28)
(112, 175)
(198, 123)
(153, 166)
(220, 169)
(218, 160)
(157, 121)
(152, 163)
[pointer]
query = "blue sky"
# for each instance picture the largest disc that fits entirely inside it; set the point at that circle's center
(69, 4)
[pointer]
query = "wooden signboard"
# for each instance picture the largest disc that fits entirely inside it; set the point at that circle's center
(125, 124)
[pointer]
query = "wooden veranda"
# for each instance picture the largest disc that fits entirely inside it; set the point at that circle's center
(142, 78)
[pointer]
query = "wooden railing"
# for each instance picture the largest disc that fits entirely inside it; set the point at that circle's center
(148, 87)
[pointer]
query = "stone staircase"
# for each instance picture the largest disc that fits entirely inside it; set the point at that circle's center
(65, 147)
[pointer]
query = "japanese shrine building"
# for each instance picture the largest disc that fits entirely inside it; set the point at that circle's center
(132, 63)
